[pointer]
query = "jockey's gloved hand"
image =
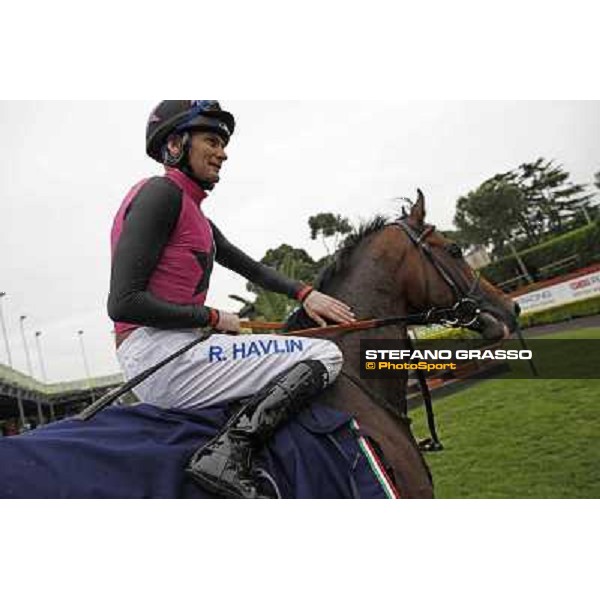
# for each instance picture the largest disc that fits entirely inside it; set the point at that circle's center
(321, 307)
(227, 322)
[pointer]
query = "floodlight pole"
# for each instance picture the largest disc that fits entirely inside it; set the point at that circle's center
(40, 355)
(85, 363)
(7, 345)
(27, 356)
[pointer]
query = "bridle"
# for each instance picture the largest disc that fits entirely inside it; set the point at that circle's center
(464, 312)
(466, 309)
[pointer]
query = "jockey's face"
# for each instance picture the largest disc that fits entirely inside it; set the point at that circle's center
(207, 155)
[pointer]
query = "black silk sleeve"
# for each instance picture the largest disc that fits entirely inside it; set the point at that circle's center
(231, 257)
(151, 218)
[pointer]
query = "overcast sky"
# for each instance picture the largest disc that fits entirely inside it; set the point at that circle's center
(66, 167)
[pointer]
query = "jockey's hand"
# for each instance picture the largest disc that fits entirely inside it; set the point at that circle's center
(228, 322)
(320, 306)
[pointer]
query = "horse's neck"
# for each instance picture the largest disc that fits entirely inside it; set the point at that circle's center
(387, 392)
(367, 294)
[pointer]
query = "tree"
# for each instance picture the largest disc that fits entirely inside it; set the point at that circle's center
(293, 262)
(490, 216)
(553, 202)
(456, 236)
(296, 263)
(328, 225)
(267, 306)
(522, 206)
(296, 259)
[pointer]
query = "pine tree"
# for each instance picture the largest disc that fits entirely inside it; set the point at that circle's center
(552, 201)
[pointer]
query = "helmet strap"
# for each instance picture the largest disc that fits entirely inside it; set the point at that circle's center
(171, 159)
(180, 161)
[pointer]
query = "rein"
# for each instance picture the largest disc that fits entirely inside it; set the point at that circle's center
(459, 315)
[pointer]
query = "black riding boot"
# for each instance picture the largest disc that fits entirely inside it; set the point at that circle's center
(224, 465)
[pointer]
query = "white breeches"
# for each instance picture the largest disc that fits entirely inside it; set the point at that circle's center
(220, 369)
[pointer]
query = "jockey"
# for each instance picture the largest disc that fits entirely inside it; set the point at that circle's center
(163, 249)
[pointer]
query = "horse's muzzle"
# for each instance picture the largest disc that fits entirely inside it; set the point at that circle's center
(490, 327)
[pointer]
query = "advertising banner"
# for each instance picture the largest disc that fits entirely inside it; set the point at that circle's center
(578, 288)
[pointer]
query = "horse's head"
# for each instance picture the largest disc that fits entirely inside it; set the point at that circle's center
(386, 269)
(434, 274)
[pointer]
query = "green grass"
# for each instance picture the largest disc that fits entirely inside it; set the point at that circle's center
(519, 438)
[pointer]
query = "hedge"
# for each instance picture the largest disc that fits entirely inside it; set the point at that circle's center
(584, 242)
(455, 333)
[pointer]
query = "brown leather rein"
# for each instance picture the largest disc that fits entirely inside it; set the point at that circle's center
(318, 331)
(459, 315)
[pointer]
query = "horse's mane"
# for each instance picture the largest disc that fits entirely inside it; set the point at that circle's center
(340, 260)
(338, 264)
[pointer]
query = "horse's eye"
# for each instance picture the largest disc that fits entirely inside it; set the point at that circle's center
(455, 251)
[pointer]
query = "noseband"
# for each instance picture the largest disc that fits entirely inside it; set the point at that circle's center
(466, 309)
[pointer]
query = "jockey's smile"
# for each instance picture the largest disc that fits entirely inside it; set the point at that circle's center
(206, 155)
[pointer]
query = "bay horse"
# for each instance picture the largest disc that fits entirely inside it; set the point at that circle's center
(386, 268)
(399, 268)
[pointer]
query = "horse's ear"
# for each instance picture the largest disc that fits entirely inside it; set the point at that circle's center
(417, 213)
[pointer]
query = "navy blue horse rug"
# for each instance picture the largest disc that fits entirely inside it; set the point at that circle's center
(142, 451)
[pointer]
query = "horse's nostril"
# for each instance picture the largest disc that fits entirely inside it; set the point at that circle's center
(517, 309)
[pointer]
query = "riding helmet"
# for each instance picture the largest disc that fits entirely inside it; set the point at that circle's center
(173, 116)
